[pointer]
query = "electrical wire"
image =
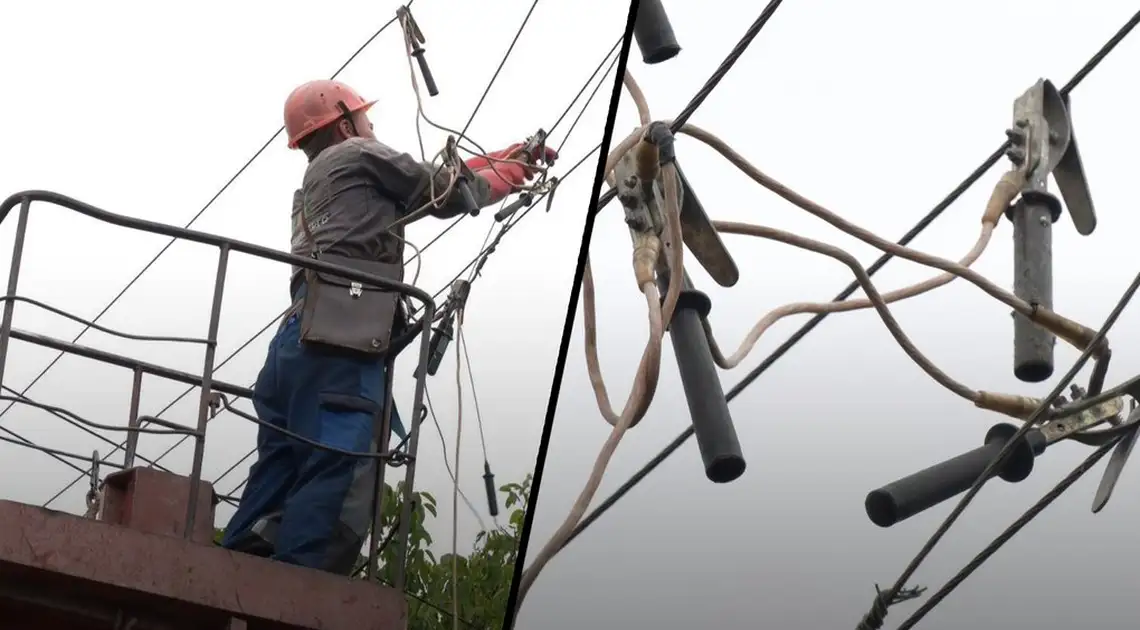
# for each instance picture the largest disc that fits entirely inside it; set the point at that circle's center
(502, 63)
(457, 220)
(582, 90)
(447, 464)
(1032, 421)
(811, 324)
(1009, 533)
(455, 485)
(581, 112)
(474, 394)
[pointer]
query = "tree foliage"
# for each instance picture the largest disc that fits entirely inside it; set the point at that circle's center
(483, 573)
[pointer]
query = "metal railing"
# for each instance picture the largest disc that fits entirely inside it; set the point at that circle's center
(210, 388)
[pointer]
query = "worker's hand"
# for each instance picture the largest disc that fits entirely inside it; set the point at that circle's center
(543, 154)
(508, 169)
(504, 178)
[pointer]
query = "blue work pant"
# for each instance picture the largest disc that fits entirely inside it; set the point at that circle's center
(324, 499)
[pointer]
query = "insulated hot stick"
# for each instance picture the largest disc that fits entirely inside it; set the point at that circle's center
(441, 337)
(444, 332)
(415, 42)
(902, 499)
(527, 153)
(1042, 144)
(489, 485)
(640, 191)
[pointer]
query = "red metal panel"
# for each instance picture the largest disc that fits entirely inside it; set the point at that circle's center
(154, 501)
(70, 561)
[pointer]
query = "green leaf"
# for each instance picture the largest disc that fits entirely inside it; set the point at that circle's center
(484, 573)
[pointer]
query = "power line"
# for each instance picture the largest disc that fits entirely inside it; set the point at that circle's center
(850, 289)
(585, 85)
(192, 221)
(582, 112)
(551, 130)
(1009, 533)
(502, 63)
(874, 618)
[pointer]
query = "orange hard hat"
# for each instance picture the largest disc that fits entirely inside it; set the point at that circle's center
(319, 103)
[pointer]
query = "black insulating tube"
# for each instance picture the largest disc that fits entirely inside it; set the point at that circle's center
(902, 499)
(654, 33)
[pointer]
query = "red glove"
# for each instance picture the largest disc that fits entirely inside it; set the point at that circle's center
(544, 154)
(506, 177)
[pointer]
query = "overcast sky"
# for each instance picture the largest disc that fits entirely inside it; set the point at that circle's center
(876, 110)
(146, 110)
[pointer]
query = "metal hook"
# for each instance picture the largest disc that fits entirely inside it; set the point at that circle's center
(1119, 458)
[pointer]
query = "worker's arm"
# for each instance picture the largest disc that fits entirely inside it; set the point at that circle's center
(405, 178)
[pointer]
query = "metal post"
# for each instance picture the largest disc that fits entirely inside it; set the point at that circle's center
(13, 283)
(712, 422)
(382, 446)
(207, 387)
(133, 422)
(413, 447)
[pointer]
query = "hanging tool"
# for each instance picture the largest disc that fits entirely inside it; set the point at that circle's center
(489, 485)
(708, 408)
(697, 231)
(654, 33)
(93, 498)
(527, 152)
(415, 40)
(1120, 453)
(923, 490)
(444, 332)
(1042, 142)
(463, 176)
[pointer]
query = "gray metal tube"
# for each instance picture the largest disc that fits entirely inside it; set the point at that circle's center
(712, 422)
(207, 388)
(132, 444)
(13, 283)
(1032, 218)
(382, 441)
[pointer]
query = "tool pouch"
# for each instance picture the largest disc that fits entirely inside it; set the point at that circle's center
(347, 314)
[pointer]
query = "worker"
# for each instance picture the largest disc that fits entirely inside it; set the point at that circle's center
(325, 371)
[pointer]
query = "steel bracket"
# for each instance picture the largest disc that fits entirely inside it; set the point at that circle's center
(1042, 142)
(642, 211)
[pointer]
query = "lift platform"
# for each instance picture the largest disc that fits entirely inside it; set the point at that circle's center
(146, 559)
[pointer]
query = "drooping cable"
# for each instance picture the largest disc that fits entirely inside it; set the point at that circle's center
(812, 323)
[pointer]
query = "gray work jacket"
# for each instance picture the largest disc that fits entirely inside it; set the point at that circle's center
(353, 191)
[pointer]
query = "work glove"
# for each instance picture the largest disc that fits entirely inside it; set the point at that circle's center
(506, 177)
